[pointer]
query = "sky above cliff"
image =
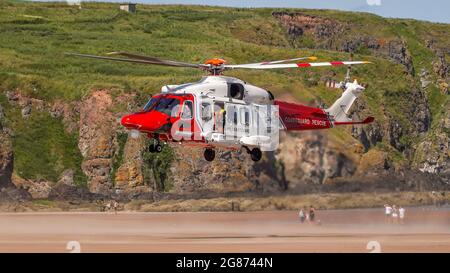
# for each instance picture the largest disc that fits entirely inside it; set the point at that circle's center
(431, 10)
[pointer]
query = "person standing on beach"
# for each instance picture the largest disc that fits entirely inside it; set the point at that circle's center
(401, 214)
(394, 214)
(312, 214)
(302, 215)
(115, 206)
(387, 213)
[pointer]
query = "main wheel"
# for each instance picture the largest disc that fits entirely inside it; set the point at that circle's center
(158, 148)
(256, 154)
(209, 154)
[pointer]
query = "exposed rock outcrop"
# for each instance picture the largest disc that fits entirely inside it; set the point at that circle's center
(2, 116)
(229, 172)
(299, 24)
(333, 35)
(6, 160)
(433, 154)
(129, 176)
(97, 141)
(26, 104)
(368, 135)
(65, 189)
(442, 69)
(308, 158)
(39, 189)
(68, 112)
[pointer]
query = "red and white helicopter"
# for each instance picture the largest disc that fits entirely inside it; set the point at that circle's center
(220, 112)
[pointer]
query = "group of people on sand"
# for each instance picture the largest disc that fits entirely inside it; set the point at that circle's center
(307, 215)
(112, 205)
(394, 214)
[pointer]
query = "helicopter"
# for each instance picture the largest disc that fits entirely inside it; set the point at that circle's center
(222, 112)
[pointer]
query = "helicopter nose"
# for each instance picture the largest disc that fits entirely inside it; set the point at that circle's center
(148, 122)
(130, 122)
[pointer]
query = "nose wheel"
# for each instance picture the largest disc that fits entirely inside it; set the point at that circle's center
(209, 154)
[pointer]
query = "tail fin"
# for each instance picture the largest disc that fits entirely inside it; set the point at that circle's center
(339, 110)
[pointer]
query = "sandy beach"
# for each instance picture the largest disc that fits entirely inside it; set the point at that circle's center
(424, 230)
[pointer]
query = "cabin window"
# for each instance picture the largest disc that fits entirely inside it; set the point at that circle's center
(245, 116)
(187, 110)
(236, 91)
(206, 111)
(232, 115)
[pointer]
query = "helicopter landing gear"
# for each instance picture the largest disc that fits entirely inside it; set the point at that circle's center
(255, 153)
(155, 147)
(209, 154)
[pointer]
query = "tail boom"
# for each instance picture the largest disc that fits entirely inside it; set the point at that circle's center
(298, 117)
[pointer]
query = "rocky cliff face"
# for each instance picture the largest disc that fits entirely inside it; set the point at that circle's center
(334, 35)
(308, 157)
(231, 172)
(301, 159)
(6, 153)
(129, 176)
(100, 137)
(432, 152)
(8, 190)
(6, 160)
(298, 24)
(97, 141)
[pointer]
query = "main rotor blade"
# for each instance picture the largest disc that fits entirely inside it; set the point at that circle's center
(137, 61)
(156, 60)
(297, 65)
(312, 58)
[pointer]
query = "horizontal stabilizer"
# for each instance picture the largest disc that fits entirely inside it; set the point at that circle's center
(365, 121)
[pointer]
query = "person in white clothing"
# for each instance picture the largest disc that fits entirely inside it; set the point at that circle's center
(302, 215)
(387, 213)
(401, 214)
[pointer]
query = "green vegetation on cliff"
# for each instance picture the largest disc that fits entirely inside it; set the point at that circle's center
(42, 147)
(157, 168)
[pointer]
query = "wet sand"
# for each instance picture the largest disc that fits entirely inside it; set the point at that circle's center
(424, 230)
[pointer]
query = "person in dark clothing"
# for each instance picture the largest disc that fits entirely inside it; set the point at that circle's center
(312, 213)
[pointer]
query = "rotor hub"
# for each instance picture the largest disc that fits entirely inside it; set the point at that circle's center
(216, 66)
(215, 62)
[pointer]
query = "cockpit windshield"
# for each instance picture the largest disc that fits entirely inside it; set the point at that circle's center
(149, 105)
(168, 106)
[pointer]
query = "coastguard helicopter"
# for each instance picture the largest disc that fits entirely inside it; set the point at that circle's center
(220, 112)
